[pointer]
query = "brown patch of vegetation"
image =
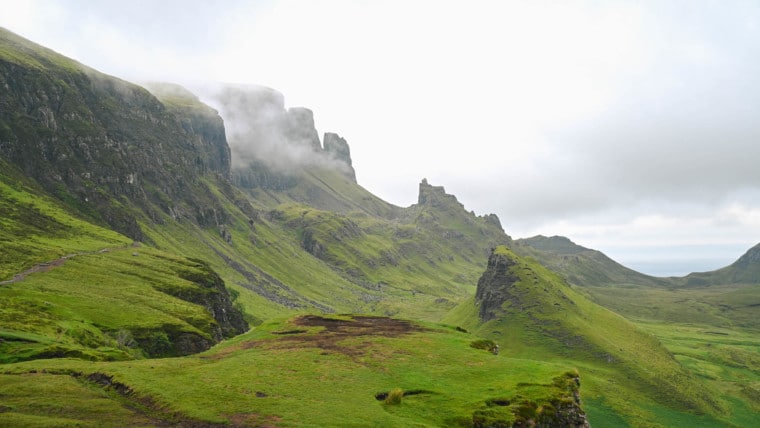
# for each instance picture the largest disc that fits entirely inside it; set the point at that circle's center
(337, 330)
(334, 331)
(359, 325)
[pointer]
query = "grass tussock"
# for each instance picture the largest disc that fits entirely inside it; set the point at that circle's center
(394, 396)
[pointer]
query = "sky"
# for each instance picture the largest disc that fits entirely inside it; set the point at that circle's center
(630, 127)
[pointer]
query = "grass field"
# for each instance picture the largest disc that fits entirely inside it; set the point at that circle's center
(303, 371)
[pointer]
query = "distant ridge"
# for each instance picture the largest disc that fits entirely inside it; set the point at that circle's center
(745, 270)
(580, 265)
(586, 267)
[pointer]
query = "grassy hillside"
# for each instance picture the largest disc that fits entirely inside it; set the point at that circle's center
(292, 256)
(122, 303)
(628, 374)
(37, 228)
(712, 331)
(305, 371)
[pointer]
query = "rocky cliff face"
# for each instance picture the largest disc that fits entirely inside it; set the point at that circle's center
(300, 129)
(337, 148)
(436, 196)
(271, 144)
(438, 204)
(495, 285)
(200, 120)
(106, 147)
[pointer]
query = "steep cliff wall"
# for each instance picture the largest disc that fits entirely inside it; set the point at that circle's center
(272, 145)
(106, 147)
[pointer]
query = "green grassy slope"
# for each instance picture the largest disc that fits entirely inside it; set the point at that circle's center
(707, 320)
(292, 257)
(306, 371)
(322, 188)
(119, 304)
(628, 373)
(37, 228)
(725, 306)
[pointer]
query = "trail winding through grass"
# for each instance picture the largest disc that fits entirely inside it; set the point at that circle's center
(48, 266)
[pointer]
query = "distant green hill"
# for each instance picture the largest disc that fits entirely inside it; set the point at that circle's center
(579, 265)
(724, 297)
(745, 270)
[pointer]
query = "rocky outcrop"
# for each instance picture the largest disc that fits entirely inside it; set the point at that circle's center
(210, 293)
(213, 295)
(494, 286)
(436, 196)
(493, 220)
(560, 407)
(262, 132)
(337, 148)
(300, 129)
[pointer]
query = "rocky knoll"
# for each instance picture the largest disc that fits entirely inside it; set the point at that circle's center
(435, 196)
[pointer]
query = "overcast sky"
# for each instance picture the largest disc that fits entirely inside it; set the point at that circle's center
(632, 127)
